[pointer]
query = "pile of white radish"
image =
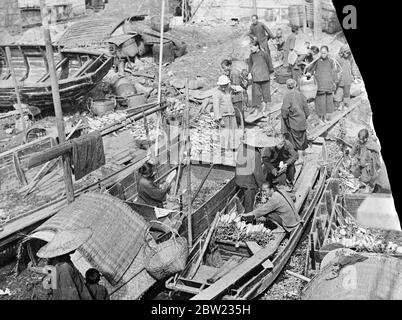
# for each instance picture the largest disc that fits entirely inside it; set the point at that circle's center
(362, 240)
(242, 226)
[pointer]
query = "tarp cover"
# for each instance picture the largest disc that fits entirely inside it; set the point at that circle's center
(377, 278)
(118, 232)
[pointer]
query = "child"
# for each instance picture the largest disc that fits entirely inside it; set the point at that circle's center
(98, 292)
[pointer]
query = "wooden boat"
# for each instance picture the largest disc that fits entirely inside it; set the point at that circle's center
(136, 281)
(337, 209)
(253, 269)
(78, 72)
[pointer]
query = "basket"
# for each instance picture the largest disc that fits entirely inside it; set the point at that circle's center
(168, 257)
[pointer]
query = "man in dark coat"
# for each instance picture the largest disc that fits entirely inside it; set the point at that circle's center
(325, 71)
(98, 292)
(260, 32)
(294, 117)
(249, 174)
(260, 68)
(148, 191)
(69, 283)
(279, 162)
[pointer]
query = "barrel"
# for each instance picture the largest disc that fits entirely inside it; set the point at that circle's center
(99, 107)
(168, 52)
(156, 24)
(123, 88)
(294, 16)
(129, 48)
(308, 87)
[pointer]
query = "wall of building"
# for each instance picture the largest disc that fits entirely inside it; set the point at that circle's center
(130, 7)
(78, 6)
(227, 9)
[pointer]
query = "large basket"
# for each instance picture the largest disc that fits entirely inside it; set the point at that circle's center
(166, 258)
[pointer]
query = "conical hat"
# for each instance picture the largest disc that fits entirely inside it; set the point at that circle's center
(64, 242)
(260, 140)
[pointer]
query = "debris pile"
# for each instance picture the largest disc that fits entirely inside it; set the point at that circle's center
(205, 138)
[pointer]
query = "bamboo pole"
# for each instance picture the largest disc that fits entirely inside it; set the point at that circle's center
(189, 212)
(17, 93)
(57, 102)
(159, 115)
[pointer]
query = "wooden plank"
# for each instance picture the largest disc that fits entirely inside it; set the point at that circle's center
(317, 132)
(254, 248)
(226, 267)
(205, 246)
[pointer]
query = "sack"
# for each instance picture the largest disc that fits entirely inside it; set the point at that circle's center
(168, 257)
(356, 88)
(292, 58)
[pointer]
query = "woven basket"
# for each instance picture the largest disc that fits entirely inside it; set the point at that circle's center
(168, 257)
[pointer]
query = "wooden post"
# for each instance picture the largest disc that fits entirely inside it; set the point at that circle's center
(304, 18)
(189, 212)
(317, 19)
(159, 114)
(56, 101)
(183, 10)
(17, 92)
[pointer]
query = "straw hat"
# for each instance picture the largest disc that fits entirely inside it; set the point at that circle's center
(64, 242)
(260, 140)
(223, 80)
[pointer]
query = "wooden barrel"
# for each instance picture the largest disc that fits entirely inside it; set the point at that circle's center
(156, 24)
(100, 107)
(168, 52)
(123, 88)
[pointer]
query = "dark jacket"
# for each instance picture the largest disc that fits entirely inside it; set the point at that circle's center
(249, 172)
(280, 208)
(260, 66)
(70, 283)
(325, 72)
(261, 32)
(349, 71)
(98, 292)
(149, 193)
(295, 110)
(271, 157)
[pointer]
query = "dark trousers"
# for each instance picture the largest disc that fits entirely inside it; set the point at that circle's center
(281, 179)
(324, 103)
(249, 198)
(261, 91)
